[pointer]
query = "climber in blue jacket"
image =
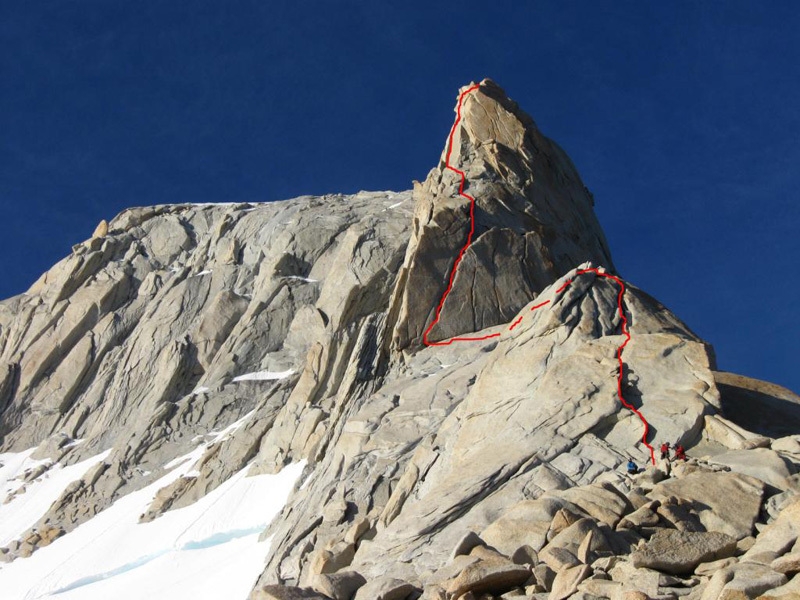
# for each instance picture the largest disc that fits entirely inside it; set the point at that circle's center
(633, 468)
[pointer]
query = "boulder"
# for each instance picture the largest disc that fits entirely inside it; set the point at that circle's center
(728, 434)
(630, 595)
(679, 552)
(358, 528)
(101, 230)
(558, 558)
(601, 501)
(544, 575)
(332, 559)
(788, 564)
(737, 497)
(789, 444)
(600, 587)
(778, 502)
(449, 571)
(567, 580)
(281, 592)
(485, 576)
(709, 568)
(761, 463)
(469, 541)
(434, 592)
(636, 578)
(385, 588)
(525, 555)
(562, 519)
(570, 539)
(644, 516)
(489, 555)
(338, 586)
(788, 591)
(742, 580)
(680, 515)
(526, 523)
(780, 535)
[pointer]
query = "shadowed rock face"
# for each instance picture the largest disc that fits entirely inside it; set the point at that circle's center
(136, 343)
(534, 221)
(760, 406)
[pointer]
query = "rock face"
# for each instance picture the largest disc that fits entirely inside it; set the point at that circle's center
(533, 221)
(292, 331)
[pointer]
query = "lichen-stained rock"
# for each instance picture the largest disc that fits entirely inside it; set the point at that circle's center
(679, 552)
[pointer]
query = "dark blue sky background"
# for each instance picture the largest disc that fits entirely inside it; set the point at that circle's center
(682, 119)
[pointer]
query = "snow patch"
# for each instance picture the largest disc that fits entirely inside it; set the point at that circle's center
(13, 466)
(306, 279)
(264, 376)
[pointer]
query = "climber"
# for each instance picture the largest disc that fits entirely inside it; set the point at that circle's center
(633, 468)
(665, 451)
(680, 453)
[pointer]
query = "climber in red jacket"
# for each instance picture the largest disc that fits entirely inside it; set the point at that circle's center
(665, 451)
(680, 453)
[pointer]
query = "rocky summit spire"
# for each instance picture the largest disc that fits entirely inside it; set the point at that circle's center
(533, 222)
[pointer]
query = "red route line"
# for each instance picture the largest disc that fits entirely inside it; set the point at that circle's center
(545, 303)
(469, 237)
(517, 321)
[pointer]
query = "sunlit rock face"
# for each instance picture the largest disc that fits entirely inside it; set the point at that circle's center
(534, 221)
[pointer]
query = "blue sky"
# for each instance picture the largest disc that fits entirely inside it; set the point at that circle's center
(681, 117)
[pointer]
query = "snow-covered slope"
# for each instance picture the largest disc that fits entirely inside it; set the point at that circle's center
(208, 550)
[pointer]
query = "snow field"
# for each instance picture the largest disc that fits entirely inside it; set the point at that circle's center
(208, 550)
(25, 509)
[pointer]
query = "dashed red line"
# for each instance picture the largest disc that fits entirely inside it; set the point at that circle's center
(518, 320)
(515, 323)
(563, 287)
(545, 303)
